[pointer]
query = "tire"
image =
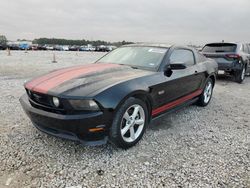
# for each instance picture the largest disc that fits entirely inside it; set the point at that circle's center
(240, 75)
(207, 93)
(120, 134)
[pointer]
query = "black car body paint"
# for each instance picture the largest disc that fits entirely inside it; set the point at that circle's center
(109, 86)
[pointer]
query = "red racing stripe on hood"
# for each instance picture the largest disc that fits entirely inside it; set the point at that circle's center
(31, 84)
(47, 82)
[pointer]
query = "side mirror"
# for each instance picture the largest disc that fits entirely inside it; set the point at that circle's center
(168, 70)
(177, 66)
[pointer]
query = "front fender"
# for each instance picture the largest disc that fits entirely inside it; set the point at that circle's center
(113, 97)
(140, 94)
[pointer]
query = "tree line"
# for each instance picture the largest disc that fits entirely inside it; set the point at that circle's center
(3, 40)
(57, 41)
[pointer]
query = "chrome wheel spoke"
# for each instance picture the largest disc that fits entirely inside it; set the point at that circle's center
(208, 92)
(139, 121)
(125, 129)
(209, 87)
(135, 112)
(126, 116)
(132, 133)
(243, 74)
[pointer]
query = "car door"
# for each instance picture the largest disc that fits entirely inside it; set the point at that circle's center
(182, 82)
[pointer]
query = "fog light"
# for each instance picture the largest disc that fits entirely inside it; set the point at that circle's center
(56, 101)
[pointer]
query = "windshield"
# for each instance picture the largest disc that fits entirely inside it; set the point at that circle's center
(219, 47)
(143, 57)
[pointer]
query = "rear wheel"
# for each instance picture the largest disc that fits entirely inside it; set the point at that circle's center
(207, 93)
(129, 123)
(240, 75)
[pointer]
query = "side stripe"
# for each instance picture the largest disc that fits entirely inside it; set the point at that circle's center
(176, 102)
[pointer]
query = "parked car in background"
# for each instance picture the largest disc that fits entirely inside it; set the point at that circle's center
(102, 48)
(58, 48)
(232, 58)
(110, 48)
(115, 98)
(83, 48)
(49, 47)
(87, 48)
(65, 48)
(41, 47)
(74, 48)
(24, 46)
(13, 47)
(3, 47)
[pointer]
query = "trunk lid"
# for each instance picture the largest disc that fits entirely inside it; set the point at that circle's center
(221, 52)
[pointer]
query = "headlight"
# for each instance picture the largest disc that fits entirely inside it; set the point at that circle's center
(88, 105)
(56, 101)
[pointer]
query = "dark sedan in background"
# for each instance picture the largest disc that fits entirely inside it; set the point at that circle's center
(232, 58)
(115, 98)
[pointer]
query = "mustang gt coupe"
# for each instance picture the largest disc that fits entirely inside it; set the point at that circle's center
(115, 98)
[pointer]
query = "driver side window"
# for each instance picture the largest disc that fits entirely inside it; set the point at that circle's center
(182, 56)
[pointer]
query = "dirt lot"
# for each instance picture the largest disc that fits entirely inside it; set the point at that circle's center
(194, 147)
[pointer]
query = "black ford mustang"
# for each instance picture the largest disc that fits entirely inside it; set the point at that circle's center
(115, 98)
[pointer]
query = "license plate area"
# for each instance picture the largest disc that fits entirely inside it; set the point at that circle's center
(221, 72)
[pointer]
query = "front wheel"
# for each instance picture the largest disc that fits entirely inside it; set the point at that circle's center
(207, 93)
(129, 123)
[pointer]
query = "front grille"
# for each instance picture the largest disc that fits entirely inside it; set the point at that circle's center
(40, 98)
(44, 102)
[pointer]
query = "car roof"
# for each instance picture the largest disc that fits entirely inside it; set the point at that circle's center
(158, 45)
(226, 43)
(149, 45)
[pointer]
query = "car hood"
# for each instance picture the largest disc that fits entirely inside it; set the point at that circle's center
(81, 81)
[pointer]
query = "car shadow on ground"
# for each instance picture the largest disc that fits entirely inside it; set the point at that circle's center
(225, 80)
(163, 122)
(223, 77)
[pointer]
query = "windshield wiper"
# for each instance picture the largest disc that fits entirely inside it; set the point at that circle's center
(134, 67)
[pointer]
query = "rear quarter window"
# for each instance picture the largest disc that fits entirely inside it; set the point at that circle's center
(182, 55)
(219, 48)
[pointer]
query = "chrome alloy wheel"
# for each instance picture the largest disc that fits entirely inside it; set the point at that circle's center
(132, 123)
(208, 92)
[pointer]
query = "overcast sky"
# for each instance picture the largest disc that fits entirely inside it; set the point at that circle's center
(166, 21)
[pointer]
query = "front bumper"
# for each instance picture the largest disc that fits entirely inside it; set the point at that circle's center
(72, 127)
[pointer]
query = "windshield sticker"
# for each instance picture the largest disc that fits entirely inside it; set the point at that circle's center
(157, 50)
(151, 64)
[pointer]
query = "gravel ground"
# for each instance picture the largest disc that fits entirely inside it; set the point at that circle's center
(194, 147)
